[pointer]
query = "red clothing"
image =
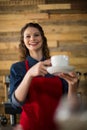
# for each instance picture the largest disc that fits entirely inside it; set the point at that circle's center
(43, 98)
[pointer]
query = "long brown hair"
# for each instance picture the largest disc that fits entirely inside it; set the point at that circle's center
(24, 52)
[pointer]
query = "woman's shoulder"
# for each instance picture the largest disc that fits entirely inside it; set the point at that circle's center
(18, 64)
(18, 67)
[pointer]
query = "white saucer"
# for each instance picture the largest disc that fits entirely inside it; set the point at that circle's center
(59, 69)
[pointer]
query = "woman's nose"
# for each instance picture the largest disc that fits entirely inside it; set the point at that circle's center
(32, 38)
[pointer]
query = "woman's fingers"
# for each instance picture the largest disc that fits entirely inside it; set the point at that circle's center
(40, 69)
(69, 77)
(17, 127)
(43, 67)
(47, 62)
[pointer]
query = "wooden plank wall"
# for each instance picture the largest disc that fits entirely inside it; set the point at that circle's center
(65, 28)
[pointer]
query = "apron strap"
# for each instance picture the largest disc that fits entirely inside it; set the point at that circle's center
(26, 65)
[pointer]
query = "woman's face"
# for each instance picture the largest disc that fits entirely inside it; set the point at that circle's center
(33, 39)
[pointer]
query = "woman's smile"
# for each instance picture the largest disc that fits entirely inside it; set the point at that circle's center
(33, 44)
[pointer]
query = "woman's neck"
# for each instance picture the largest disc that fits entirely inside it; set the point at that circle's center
(37, 56)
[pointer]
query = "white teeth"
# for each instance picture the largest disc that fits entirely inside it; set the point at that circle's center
(32, 44)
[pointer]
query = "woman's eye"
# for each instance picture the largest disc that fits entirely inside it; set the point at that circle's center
(28, 36)
(36, 35)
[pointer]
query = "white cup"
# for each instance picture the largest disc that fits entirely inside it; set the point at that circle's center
(60, 60)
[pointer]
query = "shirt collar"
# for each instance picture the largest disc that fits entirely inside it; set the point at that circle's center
(33, 61)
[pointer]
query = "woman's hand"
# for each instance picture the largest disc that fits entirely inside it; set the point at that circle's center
(17, 127)
(40, 69)
(72, 80)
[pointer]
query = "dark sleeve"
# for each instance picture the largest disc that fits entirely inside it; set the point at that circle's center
(65, 86)
(15, 103)
(17, 72)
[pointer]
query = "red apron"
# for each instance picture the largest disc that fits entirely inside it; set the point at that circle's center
(42, 99)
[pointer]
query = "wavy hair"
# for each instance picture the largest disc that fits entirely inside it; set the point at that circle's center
(24, 52)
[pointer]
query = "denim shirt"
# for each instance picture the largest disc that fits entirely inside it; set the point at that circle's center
(18, 71)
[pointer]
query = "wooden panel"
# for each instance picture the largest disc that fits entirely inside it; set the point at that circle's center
(12, 57)
(16, 21)
(60, 53)
(4, 72)
(72, 17)
(71, 52)
(75, 43)
(9, 54)
(65, 23)
(75, 50)
(79, 61)
(5, 65)
(54, 6)
(75, 20)
(59, 6)
(68, 17)
(4, 0)
(9, 17)
(65, 28)
(18, 2)
(11, 45)
(1, 87)
(9, 26)
(52, 43)
(1, 79)
(43, 16)
(2, 99)
(1, 91)
(23, 9)
(66, 36)
(72, 47)
(82, 5)
(8, 51)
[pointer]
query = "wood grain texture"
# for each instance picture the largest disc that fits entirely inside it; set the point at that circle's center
(54, 6)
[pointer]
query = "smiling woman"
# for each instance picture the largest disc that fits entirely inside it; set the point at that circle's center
(32, 88)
